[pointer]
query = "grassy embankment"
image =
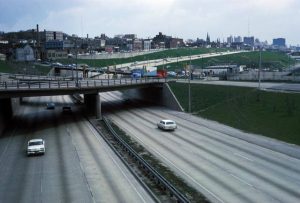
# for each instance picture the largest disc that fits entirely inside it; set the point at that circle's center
(23, 68)
(151, 56)
(271, 60)
(271, 114)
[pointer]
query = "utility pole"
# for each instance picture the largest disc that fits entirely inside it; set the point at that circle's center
(259, 68)
(190, 83)
(76, 63)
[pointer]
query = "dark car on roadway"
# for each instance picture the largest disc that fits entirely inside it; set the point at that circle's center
(50, 105)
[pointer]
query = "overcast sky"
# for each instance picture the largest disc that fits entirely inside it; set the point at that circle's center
(187, 19)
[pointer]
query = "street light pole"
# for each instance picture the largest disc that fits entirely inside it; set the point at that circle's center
(259, 69)
(76, 63)
(190, 84)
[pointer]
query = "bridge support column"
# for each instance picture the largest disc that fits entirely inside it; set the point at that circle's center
(98, 110)
(6, 113)
(93, 105)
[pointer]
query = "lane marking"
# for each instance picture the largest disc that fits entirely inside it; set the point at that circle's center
(12, 134)
(95, 133)
(241, 180)
(193, 180)
(81, 167)
(240, 155)
(203, 187)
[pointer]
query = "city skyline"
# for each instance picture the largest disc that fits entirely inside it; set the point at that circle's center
(187, 19)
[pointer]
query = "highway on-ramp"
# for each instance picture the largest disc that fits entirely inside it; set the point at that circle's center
(78, 166)
(210, 157)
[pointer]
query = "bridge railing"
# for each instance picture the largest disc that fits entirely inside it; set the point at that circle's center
(48, 84)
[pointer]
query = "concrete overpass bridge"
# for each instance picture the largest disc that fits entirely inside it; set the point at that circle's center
(149, 89)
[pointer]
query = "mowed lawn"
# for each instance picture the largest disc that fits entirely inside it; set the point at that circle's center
(270, 60)
(23, 68)
(271, 114)
(151, 56)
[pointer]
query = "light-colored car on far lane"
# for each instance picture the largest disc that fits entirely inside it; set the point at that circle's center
(167, 125)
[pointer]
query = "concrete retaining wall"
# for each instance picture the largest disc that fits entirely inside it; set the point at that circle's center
(169, 99)
(157, 95)
(6, 113)
(266, 76)
(117, 55)
(8, 108)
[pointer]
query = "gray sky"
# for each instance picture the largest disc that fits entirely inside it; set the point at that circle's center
(187, 19)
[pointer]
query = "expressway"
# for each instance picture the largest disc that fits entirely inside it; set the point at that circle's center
(267, 86)
(78, 166)
(209, 156)
(164, 61)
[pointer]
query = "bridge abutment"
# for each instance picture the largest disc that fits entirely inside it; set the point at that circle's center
(92, 104)
(6, 113)
(158, 95)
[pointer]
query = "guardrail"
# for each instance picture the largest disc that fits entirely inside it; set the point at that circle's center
(153, 173)
(12, 85)
(36, 77)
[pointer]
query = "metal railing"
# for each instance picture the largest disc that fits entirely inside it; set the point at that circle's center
(151, 171)
(57, 84)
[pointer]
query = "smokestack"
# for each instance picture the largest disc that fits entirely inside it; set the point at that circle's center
(87, 36)
(37, 35)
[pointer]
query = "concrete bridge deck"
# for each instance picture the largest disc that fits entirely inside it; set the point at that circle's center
(13, 89)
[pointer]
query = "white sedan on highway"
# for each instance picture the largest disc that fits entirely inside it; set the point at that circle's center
(36, 146)
(167, 125)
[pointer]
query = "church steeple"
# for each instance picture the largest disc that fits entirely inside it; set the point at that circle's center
(207, 39)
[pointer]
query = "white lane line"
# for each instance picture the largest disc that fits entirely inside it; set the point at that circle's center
(7, 144)
(241, 180)
(192, 179)
(203, 187)
(81, 167)
(124, 174)
(243, 156)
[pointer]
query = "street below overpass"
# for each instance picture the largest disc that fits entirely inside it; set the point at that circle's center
(78, 166)
(213, 158)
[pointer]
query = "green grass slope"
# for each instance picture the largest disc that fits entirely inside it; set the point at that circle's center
(271, 114)
(157, 55)
(271, 60)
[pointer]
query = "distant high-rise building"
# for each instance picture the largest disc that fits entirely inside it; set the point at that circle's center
(280, 42)
(147, 44)
(238, 39)
(103, 36)
(130, 36)
(229, 39)
(249, 41)
(53, 35)
(137, 44)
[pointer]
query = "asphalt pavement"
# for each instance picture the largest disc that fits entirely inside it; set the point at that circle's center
(78, 166)
(211, 157)
(267, 86)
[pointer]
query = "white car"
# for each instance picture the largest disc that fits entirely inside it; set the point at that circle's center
(167, 125)
(36, 146)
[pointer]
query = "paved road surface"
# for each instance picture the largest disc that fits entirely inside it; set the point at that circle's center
(269, 86)
(210, 157)
(78, 165)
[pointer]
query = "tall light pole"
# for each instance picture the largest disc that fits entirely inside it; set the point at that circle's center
(259, 68)
(76, 63)
(190, 83)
